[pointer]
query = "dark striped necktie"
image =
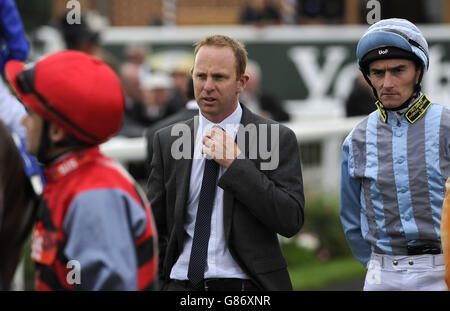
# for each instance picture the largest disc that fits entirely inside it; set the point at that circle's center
(199, 251)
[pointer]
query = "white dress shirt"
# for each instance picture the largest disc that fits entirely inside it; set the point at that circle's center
(220, 263)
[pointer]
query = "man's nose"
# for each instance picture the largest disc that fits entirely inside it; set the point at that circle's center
(388, 81)
(209, 84)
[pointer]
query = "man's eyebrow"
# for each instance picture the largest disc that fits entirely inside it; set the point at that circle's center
(214, 74)
(377, 70)
(402, 66)
(219, 74)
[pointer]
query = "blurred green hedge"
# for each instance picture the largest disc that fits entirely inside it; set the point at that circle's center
(322, 223)
(319, 254)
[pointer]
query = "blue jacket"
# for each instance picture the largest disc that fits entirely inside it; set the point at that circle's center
(393, 179)
(12, 36)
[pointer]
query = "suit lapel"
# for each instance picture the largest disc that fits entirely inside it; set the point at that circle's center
(249, 144)
(183, 173)
(228, 198)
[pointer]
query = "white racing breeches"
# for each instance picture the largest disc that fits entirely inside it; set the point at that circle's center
(411, 273)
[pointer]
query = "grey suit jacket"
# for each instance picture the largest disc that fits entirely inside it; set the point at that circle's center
(258, 204)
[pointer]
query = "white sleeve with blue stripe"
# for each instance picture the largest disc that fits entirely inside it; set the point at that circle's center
(351, 209)
(11, 111)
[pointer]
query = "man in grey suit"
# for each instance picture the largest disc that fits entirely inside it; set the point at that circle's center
(230, 243)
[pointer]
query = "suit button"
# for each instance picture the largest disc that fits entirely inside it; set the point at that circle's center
(411, 262)
(395, 262)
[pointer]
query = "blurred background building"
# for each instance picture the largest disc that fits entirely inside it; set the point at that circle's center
(232, 12)
(304, 51)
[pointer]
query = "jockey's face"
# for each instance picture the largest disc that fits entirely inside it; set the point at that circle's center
(394, 80)
(34, 125)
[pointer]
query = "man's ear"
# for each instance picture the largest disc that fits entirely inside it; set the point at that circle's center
(56, 134)
(242, 82)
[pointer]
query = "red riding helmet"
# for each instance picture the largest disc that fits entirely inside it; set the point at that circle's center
(75, 91)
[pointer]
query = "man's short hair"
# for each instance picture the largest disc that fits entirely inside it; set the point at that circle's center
(238, 48)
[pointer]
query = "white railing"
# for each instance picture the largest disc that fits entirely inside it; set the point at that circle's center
(329, 133)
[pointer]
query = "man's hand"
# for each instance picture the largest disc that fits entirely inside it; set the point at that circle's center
(220, 146)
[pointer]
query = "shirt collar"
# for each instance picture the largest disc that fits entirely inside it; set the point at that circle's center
(402, 111)
(229, 124)
(412, 113)
(69, 162)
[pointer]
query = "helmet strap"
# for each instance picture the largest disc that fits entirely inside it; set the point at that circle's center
(366, 77)
(44, 143)
(405, 104)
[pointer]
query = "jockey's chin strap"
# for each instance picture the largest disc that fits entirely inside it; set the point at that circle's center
(407, 102)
